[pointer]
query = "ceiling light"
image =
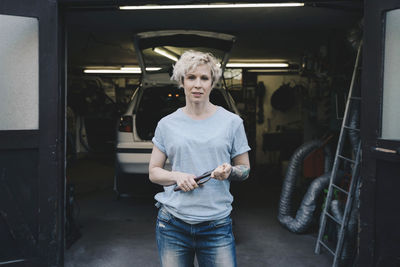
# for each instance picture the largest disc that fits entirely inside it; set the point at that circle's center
(274, 71)
(248, 5)
(257, 65)
(138, 69)
(153, 68)
(166, 53)
(110, 71)
(134, 70)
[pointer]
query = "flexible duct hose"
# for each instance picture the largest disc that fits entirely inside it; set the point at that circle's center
(291, 174)
(349, 241)
(350, 244)
(336, 210)
(354, 122)
(308, 205)
(328, 163)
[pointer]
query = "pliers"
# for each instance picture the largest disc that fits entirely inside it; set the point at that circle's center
(199, 179)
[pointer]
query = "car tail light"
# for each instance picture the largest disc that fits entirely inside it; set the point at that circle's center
(126, 124)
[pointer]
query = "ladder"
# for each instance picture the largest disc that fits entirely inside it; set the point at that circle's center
(340, 158)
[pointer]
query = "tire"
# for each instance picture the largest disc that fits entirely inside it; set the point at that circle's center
(119, 177)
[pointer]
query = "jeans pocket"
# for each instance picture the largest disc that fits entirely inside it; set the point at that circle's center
(222, 222)
(164, 215)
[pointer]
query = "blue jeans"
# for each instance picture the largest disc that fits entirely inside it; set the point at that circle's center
(178, 242)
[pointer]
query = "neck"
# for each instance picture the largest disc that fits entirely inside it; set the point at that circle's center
(199, 110)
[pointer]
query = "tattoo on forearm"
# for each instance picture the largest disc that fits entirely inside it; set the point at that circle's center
(239, 173)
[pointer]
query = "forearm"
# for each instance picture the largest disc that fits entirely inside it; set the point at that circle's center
(160, 176)
(163, 177)
(239, 173)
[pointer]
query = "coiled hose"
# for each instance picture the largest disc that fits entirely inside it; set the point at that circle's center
(354, 122)
(304, 215)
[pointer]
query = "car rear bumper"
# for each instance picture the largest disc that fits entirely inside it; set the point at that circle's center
(135, 160)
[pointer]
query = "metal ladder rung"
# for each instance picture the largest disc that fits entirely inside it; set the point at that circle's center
(351, 128)
(326, 246)
(342, 157)
(333, 218)
(333, 188)
(340, 189)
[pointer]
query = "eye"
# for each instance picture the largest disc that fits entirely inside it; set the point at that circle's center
(205, 78)
(190, 77)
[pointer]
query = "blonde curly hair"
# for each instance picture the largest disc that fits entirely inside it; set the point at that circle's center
(190, 60)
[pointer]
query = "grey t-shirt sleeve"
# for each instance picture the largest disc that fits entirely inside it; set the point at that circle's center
(158, 138)
(239, 141)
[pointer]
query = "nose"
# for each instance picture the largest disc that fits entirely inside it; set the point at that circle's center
(197, 83)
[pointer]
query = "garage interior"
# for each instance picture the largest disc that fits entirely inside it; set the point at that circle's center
(318, 40)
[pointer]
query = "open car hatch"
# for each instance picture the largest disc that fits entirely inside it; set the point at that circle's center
(160, 49)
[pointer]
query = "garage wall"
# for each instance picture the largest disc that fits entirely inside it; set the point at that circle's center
(272, 117)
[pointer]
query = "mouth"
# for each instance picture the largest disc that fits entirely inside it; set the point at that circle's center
(196, 94)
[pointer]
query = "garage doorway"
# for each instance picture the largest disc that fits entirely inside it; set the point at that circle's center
(107, 230)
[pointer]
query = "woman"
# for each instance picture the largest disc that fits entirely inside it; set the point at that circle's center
(197, 138)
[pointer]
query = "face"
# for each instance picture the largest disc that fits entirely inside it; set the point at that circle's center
(198, 84)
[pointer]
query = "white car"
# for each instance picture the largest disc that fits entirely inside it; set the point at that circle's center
(158, 96)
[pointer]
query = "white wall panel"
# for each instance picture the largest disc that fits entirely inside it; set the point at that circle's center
(19, 73)
(391, 79)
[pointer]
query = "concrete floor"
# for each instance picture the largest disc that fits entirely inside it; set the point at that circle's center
(121, 232)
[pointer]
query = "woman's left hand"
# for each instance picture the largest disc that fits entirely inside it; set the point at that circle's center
(222, 172)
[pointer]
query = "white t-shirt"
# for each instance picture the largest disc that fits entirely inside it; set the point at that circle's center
(197, 146)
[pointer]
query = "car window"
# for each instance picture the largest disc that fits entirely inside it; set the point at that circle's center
(162, 100)
(217, 98)
(158, 102)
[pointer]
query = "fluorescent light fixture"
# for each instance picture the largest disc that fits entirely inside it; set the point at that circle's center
(248, 5)
(153, 68)
(166, 53)
(257, 65)
(110, 71)
(273, 71)
(126, 70)
(138, 69)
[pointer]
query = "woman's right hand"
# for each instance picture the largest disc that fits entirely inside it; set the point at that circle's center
(185, 181)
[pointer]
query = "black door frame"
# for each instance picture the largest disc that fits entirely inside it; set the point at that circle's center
(47, 141)
(370, 124)
(372, 92)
